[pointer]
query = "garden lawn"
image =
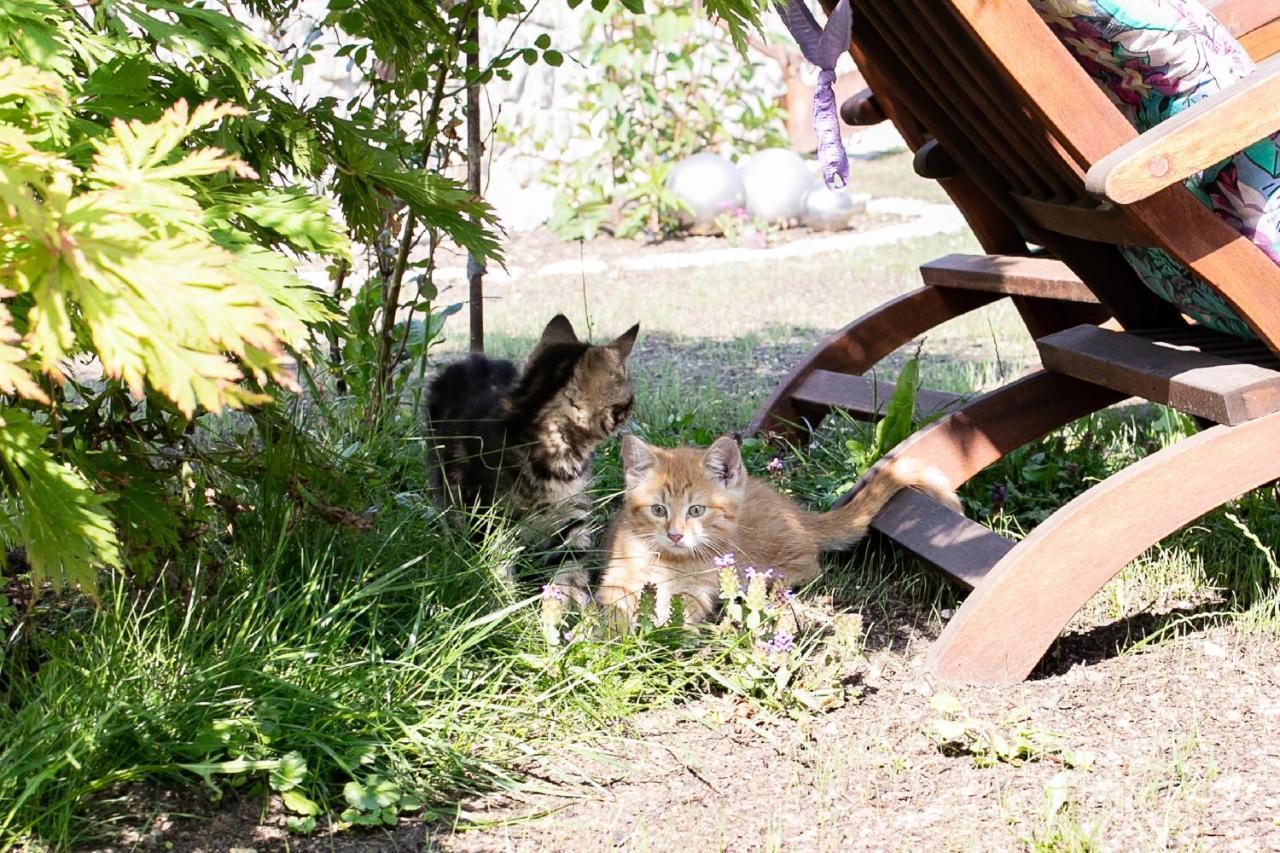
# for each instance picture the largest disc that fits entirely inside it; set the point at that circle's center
(349, 653)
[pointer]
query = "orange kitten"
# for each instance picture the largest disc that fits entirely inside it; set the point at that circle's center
(685, 507)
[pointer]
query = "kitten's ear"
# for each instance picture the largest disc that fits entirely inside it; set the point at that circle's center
(559, 331)
(638, 460)
(626, 341)
(723, 460)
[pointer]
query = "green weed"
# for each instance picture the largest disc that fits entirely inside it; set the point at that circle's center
(1061, 830)
(1009, 741)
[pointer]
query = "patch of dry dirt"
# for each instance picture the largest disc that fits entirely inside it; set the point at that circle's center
(182, 821)
(539, 248)
(1186, 739)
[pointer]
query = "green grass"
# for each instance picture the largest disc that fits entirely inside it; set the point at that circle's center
(722, 304)
(396, 652)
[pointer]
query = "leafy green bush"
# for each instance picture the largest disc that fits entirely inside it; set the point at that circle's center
(153, 207)
(663, 86)
(119, 242)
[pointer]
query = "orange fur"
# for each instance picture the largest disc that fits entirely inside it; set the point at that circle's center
(731, 514)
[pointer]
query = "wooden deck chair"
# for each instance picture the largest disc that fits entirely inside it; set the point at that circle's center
(997, 103)
(1048, 296)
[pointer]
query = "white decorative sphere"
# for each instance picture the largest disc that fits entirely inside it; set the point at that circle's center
(831, 210)
(776, 180)
(709, 184)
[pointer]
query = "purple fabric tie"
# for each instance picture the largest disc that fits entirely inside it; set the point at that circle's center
(823, 47)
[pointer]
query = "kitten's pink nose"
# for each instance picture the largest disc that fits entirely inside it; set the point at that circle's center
(673, 536)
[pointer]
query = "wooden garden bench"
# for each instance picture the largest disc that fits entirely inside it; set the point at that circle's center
(1054, 179)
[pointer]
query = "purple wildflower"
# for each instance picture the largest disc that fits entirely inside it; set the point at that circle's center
(554, 593)
(724, 561)
(775, 466)
(780, 643)
(999, 494)
(786, 595)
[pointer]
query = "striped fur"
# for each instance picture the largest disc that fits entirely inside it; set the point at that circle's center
(523, 440)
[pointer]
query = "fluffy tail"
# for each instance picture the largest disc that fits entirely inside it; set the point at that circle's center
(845, 525)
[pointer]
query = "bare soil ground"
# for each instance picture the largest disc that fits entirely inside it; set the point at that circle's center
(539, 248)
(1183, 739)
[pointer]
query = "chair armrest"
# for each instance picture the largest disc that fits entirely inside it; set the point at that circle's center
(1196, 138)
(1254, 23)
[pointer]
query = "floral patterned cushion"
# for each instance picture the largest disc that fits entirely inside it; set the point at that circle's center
(1155, 58)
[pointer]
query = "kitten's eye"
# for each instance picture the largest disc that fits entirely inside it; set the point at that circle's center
(696, 510)
(658, 510)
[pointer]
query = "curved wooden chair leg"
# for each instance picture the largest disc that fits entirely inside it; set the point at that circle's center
(969, 439)
(1007, 624)
(859, 345)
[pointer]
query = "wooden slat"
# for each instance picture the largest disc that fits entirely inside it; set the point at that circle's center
(1262, 42)
(1118, 288)
(1244, 16)
(1102, 224)
(1041, 278)
(913, 94)
(1070, 105)
(1209, 131)
(858, 346)
(922, 60)
(993, 228)
(962, 549)
(865, 398)
(993, 106)
(1214, 343)
(862, 110)
(1255, 23)
(1074, 111)
(1197, 383)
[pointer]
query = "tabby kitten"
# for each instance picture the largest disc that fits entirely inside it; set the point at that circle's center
(523, 440)
(685, 507)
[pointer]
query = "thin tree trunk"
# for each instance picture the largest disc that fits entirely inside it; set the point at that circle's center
(392, 280)
(475, 266)
(335, 346)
